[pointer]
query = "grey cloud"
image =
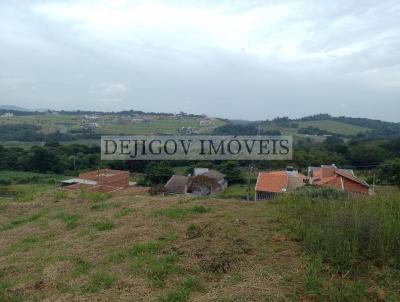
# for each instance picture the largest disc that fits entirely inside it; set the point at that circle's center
(56, 64)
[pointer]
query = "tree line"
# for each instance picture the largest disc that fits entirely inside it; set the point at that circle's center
(367, 155)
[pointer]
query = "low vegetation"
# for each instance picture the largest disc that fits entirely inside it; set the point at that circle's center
(349, 233)
(314, 245)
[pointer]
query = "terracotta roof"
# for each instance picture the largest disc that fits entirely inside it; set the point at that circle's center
(325, 180)
(176, 184)
(276, 182)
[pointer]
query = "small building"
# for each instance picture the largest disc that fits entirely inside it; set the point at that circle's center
(270, 184)
(203, 182)
(7, 114)
(339, 179)
(104, 180)
(177, 184)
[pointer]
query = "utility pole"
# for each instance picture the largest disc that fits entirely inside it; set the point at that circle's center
(373, 184)
(248, 182)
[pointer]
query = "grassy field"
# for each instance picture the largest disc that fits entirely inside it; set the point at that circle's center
(165, 126)
(334, 126)
(64, 246)
(114, 125)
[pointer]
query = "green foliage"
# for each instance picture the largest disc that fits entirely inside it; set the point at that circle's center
(320, 192)
(95, 196)
(146, 260)
(389, 172)
(14, 223)
(193, 231)
(24, 244)
(311, 130)
(179, 213)
(55, 159)
(156, 190)
(251, 128)
(100, 281)
(19, 178)
(144, 248)
(123, 212)
(99, 206)
(232, 171)
(81, 266)
(182, 293)
(23, 193)
(104, 225)
(71, 221)
(347, 232)
(158, 172)
(312, 280)
(9, 297)
(60, 195)
(238, 191)
(368, 154)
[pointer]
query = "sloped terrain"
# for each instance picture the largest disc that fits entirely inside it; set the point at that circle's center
(134, 247)
(130, 247)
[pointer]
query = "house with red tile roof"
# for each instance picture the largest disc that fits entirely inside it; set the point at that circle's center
(270, 184)
(339, 179)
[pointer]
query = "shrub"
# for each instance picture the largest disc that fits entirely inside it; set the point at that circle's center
(156, 190)
(158, 172)
(180, 213)
(104, 225)
(71, 221)
(99, 281)
(60, 195)
(182, 293)
(347, 232)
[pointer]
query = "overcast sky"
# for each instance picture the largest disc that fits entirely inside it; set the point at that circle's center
(235, 59)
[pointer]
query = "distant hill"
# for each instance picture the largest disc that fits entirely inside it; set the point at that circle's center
(13, 108)
(315, 125)
(364, 127)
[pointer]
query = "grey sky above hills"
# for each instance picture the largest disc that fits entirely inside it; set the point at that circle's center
(242, 59)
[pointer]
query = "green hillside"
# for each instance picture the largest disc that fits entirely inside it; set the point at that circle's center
(333, 126)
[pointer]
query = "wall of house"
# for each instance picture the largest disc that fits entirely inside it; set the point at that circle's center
(348, 185)
(354, 187)
(260, 195)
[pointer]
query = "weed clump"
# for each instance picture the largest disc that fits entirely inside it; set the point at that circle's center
(179, 213)
(347, 232)
(100, 281)
(71, 221)
(193, 231)
(104, 225)
(182, 293)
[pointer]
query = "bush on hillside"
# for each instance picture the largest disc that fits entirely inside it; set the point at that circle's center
(347, 233)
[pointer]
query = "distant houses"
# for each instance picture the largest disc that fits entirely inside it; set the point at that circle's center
(339, 179)
(271, 184)
(203, 182)
(7, 114)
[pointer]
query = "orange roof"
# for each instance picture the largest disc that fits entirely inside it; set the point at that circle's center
(276, 182)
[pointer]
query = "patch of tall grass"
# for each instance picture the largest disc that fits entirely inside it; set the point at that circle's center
(348, 232)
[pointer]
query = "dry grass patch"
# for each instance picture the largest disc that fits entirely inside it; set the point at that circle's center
(149, 248)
